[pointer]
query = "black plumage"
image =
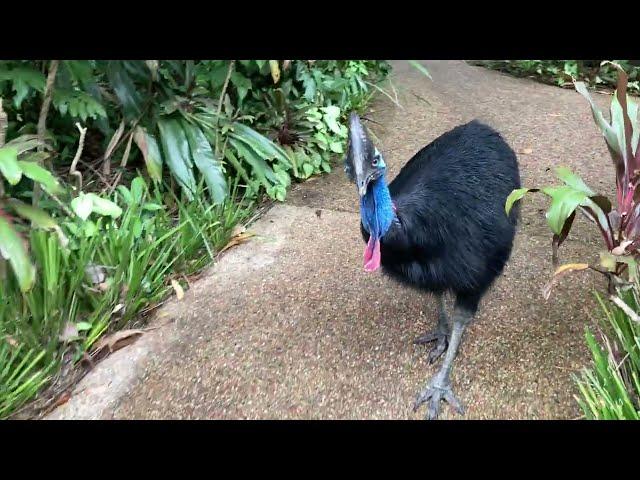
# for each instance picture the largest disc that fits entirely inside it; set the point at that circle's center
(449, 232)
(452, 233)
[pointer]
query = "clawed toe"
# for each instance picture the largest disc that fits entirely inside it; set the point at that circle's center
(442, 341)
(432, 395)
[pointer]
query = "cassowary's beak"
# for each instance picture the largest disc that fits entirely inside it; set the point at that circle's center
(360, 154)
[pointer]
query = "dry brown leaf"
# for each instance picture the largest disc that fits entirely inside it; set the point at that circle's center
(560, 271)
(178, 289)
(62, 399)
(117, 308)
(237, 240)
(116, 341)
(237, 230)
(526, 151)
(11, 341)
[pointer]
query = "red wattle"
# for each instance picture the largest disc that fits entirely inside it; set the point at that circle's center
(372, 255)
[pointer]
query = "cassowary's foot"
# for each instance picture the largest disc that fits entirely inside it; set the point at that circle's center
(435, 392)
(442, 341)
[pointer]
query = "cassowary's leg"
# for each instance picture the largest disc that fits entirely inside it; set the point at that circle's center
(440, 335)
(439, 387)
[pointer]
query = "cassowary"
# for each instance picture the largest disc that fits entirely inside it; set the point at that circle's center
(440, 226)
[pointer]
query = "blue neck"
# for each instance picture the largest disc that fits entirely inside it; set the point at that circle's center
(376, 208)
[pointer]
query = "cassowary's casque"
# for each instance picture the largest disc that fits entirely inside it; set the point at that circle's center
(440, 226)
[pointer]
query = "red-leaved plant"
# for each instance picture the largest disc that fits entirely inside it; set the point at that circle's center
(620, 226)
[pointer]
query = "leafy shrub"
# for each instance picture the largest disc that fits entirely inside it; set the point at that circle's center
(201, 119)
(93, 255)
(561, 72)
(611, 389)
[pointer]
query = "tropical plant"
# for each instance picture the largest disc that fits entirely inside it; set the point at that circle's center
(619, 225)
(611, 388)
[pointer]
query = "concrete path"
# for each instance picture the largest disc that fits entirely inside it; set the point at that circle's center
(290, 326)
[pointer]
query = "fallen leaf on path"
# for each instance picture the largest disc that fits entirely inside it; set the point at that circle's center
(116, 341)
(178, 289)
(237, 240)
(560, 271)
(526, 151)
(237, 230)
(62, 399)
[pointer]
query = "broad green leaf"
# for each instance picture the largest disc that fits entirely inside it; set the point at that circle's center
(138, 189)
(242, 84)
(24, 143)
(38, 217)
(82, 206)
(9, 166)
(259, 143)
(564, 200)
(260, 167)
(126, 195)
(90, 229)
(514, 196)
(308, 169)
(78, 104)
(331, 116)
(152, 207)
(87, 203)
(336, 147)
(29, 76)
(81, 326)
(233, 160)
(150, 152)
(124, 88)
(176, 154)
(573, 180)
(12, 249)
(41, 175)
(23, 79)
(102, 206)
(207, 164)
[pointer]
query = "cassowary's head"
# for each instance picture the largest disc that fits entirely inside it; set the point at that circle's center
(364, 162)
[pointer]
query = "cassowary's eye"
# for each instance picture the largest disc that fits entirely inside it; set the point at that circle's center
(375, 161)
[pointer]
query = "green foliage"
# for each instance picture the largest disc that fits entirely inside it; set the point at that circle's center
(111, 269)
(610, 389)
(619, 225)
(21, 376)
(561, 72)
(210, 136)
